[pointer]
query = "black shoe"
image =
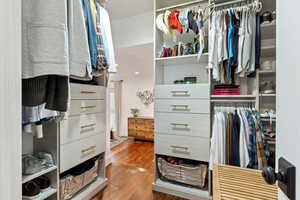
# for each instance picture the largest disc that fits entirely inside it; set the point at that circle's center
(30, 190)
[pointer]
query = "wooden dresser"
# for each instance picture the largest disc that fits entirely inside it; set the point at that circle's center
(141, 128)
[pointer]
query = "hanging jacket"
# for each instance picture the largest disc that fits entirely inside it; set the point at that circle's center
(107, 40)
(80, 60)
(44, 38)
(91, 32)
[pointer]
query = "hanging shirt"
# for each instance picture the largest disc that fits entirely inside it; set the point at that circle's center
(91, 32)
(80, 60)
(93, 12)
(107, 40)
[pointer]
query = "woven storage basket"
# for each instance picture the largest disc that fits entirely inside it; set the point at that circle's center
(70, 185)
(194, 176)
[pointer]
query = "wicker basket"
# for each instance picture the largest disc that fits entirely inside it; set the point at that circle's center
(194, 176)
(70, 185)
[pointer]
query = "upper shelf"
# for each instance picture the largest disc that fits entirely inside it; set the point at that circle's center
(170, 4)
(183, 59)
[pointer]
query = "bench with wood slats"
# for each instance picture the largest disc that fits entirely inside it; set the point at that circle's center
(234, 183)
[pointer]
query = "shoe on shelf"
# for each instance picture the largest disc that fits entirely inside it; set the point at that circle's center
(268, 87)
(46, 158)
(265, 114)
(43, 182)
(30, 191)
(31, 164)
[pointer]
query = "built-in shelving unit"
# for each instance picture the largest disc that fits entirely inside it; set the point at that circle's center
(181, 105)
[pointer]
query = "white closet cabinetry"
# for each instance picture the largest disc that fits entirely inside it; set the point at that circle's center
(83, 134)
(181, 111)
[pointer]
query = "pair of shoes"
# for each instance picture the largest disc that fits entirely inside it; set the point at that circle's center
(32, 164)
(33, 189)
(268, 87)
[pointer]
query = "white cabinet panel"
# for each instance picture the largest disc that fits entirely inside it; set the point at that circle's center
(77, 152)
(183, 147)
(82, 126)
(180, 91)
(182, 106)
(86, 107)
(81, 91)
(182, 124)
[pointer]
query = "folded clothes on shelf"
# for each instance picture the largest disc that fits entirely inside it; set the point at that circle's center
(226, 90)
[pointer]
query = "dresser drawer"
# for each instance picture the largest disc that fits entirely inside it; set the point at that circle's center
(192, 91)
(81, 91)
(79, 107)
(78, 127)
(182, 106)
(75, 153)
(196, 125)
(183, 147)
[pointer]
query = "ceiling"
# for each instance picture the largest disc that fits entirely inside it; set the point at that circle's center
(120, 9)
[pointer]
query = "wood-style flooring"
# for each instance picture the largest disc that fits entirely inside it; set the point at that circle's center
(131, 174)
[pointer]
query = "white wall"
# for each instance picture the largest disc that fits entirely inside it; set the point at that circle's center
(133, 31)
(135, 59)
(10, 101)
(288, 91)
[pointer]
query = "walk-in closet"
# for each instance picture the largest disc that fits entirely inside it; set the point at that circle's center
(149, 100)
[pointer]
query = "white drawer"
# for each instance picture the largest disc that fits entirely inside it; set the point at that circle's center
(192, 91)
(79, 107)
(78, 127)
(182, 106)
(196, 125)
(75, 153)
(183, 147)
(82, 91)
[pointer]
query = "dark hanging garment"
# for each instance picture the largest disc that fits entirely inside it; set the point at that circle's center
(236, 140)
(50, 89)
(258, 42)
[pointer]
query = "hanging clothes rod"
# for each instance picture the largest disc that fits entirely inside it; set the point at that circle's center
(181, 5)
(229, 3)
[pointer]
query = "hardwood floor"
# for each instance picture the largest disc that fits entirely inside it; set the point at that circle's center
(131, 174)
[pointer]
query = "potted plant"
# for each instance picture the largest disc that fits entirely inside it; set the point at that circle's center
(135, 112)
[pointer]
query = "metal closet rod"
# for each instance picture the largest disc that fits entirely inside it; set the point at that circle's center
(228, 3)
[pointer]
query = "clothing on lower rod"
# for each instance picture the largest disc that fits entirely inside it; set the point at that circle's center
(52, 90)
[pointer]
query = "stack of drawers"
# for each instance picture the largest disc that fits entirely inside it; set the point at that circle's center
(82, 135)
(141, 128)
(182, 121)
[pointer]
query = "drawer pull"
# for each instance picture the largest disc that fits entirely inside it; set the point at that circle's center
(88, 126)
(176, 124)
(87, 92)
(180, 93)
(179, 147)
(88, 151)
(88, 107)
(180, 107)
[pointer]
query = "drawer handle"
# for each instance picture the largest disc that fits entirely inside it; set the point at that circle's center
(87, 92)
(176, 124)
(88, 151)
(179, 147)
(180, 93)
(88, 126)
(88, 107)
(180, 107)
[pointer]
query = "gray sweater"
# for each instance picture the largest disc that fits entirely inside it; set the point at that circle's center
(45, 40)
